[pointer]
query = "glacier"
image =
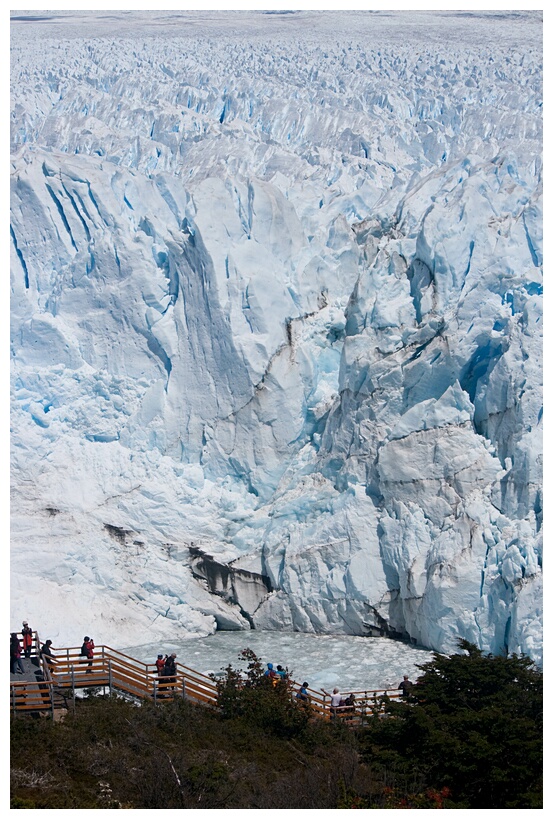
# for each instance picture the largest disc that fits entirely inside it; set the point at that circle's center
(276, 325)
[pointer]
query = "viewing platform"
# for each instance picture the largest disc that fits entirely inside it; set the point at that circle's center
(52, 686)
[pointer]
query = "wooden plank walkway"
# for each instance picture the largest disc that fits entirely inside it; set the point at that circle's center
(47, 686)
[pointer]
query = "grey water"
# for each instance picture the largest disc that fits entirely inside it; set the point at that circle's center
(324, 661)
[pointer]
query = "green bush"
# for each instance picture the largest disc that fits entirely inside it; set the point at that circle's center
(252, 696)
(472, 725)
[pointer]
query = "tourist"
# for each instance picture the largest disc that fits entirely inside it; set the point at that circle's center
(335, 701)
(303, 694)
(271, 673)
(15, 655)
(46, 652)
(281, 673)
(87, 650)
(170, 671)
(160, 664)
(405, 686)
(27, 634)
(349, 706)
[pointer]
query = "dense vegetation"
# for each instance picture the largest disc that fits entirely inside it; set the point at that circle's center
(472, 726)
(468, 737)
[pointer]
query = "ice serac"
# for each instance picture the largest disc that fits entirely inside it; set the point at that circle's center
(276, 327)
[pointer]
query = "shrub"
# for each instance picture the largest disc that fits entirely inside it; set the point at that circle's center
(473, 725)
(252, 696)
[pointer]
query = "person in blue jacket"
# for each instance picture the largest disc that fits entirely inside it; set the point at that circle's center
(270, 673)
(281, 673)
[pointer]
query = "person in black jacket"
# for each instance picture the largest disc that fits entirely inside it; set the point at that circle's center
(15, 655)
(405, 686)
(87, 650)
(46, 652)
(170, 671)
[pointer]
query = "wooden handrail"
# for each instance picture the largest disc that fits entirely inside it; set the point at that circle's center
(114, 669)
(36, 642)
(131, 675)
(370, 693)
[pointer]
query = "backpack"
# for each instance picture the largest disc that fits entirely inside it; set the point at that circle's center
(84, 650)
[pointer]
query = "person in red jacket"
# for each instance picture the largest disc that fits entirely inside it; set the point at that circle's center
(27, 634)
(160, 663)
(87, 650)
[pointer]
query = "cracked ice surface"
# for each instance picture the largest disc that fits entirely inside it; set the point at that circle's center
(325, 661)
(276, 294)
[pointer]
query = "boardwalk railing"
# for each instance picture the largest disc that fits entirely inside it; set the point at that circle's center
(61, 675)
(33, 695)
(367, 705)
(115, 670)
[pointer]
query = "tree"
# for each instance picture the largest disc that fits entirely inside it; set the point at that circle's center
(472, 724)
(253, 697)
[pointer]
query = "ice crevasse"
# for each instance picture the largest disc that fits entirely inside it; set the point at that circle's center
(274, 368)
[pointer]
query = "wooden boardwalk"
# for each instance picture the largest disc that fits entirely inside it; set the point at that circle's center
(47, 687)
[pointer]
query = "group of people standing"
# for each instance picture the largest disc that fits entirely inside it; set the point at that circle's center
(23, 648)
(280, 673)
(340, 704)
(166, 666)
(167, 669)
(275, 674)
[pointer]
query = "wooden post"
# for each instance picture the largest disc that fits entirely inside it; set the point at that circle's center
(109, 675)
(73, 685)
(155, 692)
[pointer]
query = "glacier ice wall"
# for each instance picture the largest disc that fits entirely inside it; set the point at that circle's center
(276, 326)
